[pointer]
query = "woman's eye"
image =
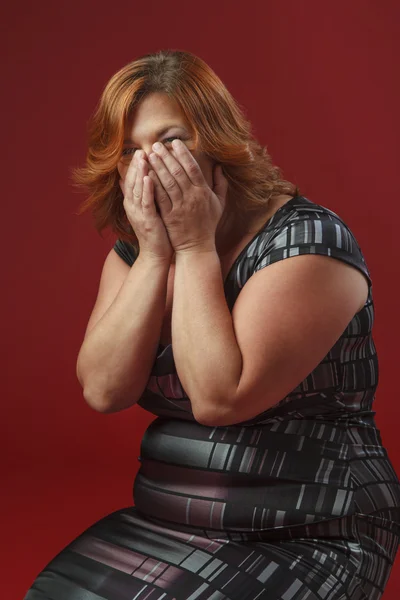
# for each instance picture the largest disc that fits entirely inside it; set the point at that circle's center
(129, 151)
(174, 137)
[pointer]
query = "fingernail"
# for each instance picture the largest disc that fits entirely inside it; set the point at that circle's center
(177, 144)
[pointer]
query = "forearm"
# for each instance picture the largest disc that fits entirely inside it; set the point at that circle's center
(117, 355)
(207, 356)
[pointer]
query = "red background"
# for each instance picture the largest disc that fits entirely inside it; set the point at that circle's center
(317, 81)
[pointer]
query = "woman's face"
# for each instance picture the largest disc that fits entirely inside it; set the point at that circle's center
(154, 113)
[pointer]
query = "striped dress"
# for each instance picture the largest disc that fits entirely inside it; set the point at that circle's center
(300, 502)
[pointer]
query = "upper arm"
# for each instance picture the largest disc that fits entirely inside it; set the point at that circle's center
(113, 275)
(289, 315)
(286, 319)
(114, 272)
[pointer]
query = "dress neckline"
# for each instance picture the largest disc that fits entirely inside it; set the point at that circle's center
(262, 228)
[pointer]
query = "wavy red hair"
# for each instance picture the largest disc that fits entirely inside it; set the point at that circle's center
(219, 127)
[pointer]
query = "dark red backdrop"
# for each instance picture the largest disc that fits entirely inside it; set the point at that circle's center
(319, 84)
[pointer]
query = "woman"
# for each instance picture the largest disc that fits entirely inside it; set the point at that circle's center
(264, 475)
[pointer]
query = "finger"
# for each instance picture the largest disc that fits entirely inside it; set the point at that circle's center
(138, 187)
(189, 163)
(173, 167)
(131, 173)
(168, 182)
(148, 203)
(163, 200)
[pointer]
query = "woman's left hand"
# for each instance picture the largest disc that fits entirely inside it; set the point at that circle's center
(189, 208)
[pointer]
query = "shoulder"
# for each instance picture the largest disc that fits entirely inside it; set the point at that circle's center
(305, 227)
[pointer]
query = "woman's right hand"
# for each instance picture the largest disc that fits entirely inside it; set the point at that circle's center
(140, 208)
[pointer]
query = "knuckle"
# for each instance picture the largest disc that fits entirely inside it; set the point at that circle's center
(162, 197)
(177, 172)
(192, 168)
(170, 184)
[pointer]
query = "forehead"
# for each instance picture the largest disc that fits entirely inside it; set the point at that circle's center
(154, 112)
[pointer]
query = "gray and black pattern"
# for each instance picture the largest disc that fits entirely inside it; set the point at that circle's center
(299, 502)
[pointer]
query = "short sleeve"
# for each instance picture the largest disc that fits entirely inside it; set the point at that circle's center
(126, 251)
(313, 232)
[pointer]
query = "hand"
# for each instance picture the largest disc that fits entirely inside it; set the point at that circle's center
(140, 209)
(189, 208)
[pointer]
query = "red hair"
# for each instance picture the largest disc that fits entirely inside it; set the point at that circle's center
(219, 127)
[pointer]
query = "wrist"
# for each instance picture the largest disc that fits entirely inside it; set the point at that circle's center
(199, 258)
(206, 247)
(154, 261)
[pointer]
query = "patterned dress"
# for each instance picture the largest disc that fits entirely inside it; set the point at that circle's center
(300, 502)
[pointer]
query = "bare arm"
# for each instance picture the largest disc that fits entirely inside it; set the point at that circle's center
(118, 351)
(285, 320)
(206, 352)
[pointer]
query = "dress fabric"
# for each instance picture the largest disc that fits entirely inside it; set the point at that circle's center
(300, 502)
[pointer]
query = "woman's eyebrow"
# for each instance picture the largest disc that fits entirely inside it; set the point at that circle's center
(158, 133)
